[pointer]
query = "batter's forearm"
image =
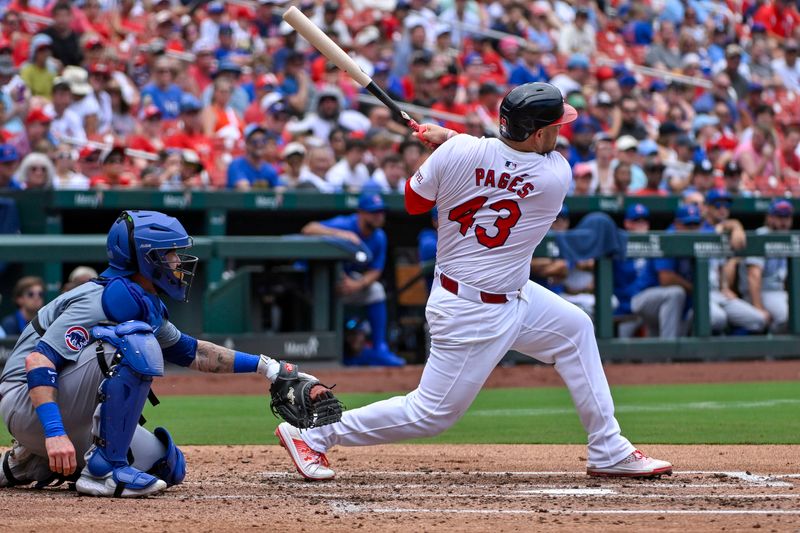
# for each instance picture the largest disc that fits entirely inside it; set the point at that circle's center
(213, 358)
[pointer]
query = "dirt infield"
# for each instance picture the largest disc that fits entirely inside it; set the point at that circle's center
(448, 488)
(441, 488)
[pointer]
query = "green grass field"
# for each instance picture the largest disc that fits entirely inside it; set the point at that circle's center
(739, 413)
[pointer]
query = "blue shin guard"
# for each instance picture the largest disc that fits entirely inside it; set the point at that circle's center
(122, 397)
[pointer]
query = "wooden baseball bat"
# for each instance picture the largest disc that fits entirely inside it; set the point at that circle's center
(317, 38)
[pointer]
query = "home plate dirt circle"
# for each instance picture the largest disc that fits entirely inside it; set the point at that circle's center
(441, 488)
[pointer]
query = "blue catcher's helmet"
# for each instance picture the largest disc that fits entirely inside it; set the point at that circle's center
(142, 241)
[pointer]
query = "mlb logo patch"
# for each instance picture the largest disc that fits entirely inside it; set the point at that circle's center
(510, 165)
(76, 337)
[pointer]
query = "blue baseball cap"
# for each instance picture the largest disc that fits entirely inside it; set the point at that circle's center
(190, 103)
(8, 153)
(637, 212)
(250, 129)
(688, 214)
(781, 208)
(717, 195)
(578, 61)
(584, 124)
(226, 65)
(647, 147)
(627, 81)
(371, 202)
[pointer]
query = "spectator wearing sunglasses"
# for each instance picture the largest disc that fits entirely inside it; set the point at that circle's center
(250, 170)
(66, 177)
(36, 172)
(29, 298)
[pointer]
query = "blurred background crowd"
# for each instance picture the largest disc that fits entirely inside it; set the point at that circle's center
(673, 95)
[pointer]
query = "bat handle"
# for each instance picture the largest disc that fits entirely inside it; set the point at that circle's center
(413, 124)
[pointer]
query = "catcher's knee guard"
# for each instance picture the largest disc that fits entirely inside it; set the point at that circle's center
(122, 395)
(157, 454)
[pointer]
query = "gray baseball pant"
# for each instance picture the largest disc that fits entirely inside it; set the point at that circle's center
(661, 308)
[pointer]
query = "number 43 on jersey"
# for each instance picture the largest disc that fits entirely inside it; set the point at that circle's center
(509, 215)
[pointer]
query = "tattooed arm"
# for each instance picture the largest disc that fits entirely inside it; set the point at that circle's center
(213, 358)
(217, 359)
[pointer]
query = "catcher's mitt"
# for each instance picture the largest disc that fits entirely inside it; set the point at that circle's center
(302, 400)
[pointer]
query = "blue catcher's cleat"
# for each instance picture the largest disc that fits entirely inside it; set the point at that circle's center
(101, 478)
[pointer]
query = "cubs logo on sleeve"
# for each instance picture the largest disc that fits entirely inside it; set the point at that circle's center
(76, 338)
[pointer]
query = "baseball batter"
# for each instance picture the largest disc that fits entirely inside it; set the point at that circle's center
(73, 405)
(496, 199)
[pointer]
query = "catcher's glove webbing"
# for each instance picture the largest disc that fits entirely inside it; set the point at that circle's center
(302, 400)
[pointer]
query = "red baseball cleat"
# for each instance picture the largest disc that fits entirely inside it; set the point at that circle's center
(310, 464)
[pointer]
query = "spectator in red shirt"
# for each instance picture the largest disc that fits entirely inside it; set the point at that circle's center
(779, 17)
(263, 85)
(420, 61)
(14, 39)
(29, 25)
(202, 70)
(113, 173)
(94, 20)
(789, 160)
(149, 138)
(447, 102)
(488, 104)
(189, 134)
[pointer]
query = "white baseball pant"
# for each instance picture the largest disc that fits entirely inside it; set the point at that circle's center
(468, 339)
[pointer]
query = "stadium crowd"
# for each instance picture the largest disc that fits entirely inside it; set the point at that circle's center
(157, 94)
(696, 98)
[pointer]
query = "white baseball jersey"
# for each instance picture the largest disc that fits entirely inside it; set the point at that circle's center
(495, 206)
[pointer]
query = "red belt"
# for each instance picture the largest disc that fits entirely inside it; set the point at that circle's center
(449, 284)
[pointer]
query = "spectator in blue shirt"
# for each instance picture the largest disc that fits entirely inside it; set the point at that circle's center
(9, 160)
(360, 284)
(250, 170)
(428, 240)
(637, 288)
(162, 92)
(529, 69)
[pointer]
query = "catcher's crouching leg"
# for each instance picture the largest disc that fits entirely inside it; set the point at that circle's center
(157, 454)
(122, 395)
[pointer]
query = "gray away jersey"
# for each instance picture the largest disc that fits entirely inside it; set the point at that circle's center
(68, 321)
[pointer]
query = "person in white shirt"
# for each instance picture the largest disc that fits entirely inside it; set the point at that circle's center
(66, 123)
(320, 160)
(787, 68)
(579, 36)
(65, 175)
(350, 173)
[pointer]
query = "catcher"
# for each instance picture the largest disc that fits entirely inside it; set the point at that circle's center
(74, 387)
